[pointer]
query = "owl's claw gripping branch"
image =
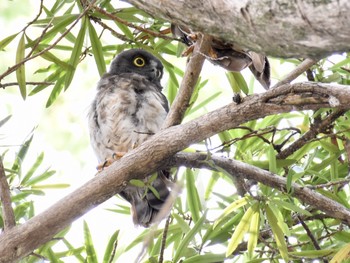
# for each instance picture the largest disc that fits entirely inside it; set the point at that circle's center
(109, 161)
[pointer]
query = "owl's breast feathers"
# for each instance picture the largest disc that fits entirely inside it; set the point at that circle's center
(127, 109)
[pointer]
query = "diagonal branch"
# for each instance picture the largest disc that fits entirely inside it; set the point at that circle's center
(5, 197)
(153, 154)
(189, 81)
(300, 69)
(247, 171)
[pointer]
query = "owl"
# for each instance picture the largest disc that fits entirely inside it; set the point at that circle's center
(128, 108)
(229, 56)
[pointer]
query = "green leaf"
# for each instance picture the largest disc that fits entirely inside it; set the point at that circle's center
(232, 207)
(291, 207)
(136, 182)
(180, 249)
(278, 233)
(7, 40)
(97, 49)
(237, 82)
(40, 177)
(34, 167)
(206, 258)
(21, 154)
(253, 231)
(272, 159)
(89, 245)
(75, 56)
(20, 72)
(194, 204)
(212, 181)
(55, 91)
(240, 230)
(112, 243)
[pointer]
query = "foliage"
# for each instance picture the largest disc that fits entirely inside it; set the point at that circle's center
(211, 221)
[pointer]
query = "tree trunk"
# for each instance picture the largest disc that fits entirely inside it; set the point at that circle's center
(301, 28)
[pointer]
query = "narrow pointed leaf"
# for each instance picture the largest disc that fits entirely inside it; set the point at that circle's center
(188, 237)
(75, 56)
(240, 230)
(55, 91)
(253, 231)
(20, 72)
(97, 50)
(6, 41)
(232, 207)
(194, 204)
(34, 167)
(112, 243)
(89, 245)
(278, 233)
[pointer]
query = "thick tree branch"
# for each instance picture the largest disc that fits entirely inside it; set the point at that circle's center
(5, 197)
(152, 154)
(247, 171)
(276, 28)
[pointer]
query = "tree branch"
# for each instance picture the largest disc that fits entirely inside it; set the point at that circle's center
(300, 69)
(276, 28)
(151, 155)
(5, 197)
(189, 81)
(247, 171)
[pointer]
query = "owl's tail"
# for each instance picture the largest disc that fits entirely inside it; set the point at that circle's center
(145, 206)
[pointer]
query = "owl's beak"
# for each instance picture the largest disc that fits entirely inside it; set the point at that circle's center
(158, 73)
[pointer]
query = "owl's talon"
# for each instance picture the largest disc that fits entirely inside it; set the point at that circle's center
(109, 161)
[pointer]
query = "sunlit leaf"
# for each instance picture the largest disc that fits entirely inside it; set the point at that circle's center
(4, 120)
(231, 208)
(278, 233)
(240, 230)
(253, 231)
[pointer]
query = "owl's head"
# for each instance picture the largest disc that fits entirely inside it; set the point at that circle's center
(137, 61)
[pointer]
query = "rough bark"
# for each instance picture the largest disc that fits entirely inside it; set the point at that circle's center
(21, 240)
(302, 28)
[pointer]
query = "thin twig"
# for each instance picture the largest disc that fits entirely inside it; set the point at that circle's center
(5, 197)
(301, 68)
(16, 66)
(164, 236)
(315, 129)
(190, 79)
(27, 83)
(37, 16)
(338, 182)
(124, 22)
(114, 33)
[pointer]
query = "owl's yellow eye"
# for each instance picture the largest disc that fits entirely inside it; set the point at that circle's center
(139, 62)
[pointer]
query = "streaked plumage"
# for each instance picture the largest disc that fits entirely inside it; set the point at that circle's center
(128, 108)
